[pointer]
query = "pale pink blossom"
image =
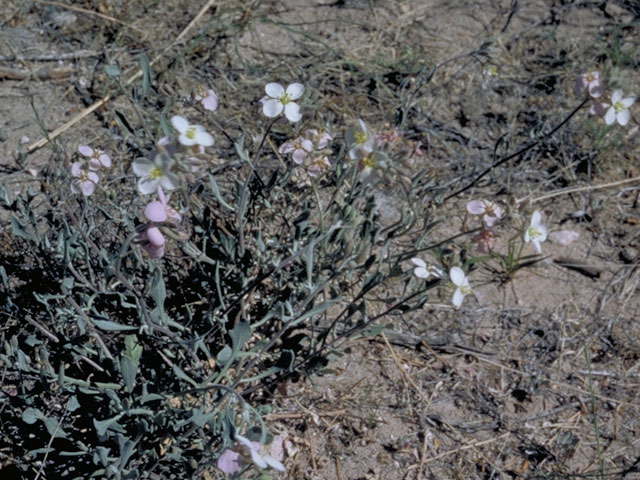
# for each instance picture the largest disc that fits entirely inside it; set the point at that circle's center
(320, 138)
(490, 211)
(318, 166)
(299, 148)
(160, 211)
(208, 99)
(232, 459)
(84, 181)
(97, 158)
(485, 241)
(589, 82)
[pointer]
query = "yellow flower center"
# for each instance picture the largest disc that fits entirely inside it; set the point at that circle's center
(360, 137)
(191, 133)
(534, 233)
(619, 107)
(155, 173)
(285, 98)
(466, 290)
(368, 162)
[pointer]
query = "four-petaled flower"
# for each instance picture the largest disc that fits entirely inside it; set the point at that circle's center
(535, 233)
(97, 157)
(299, 149)
(232, 460)
(422, 270)
(280, 99)
(207, 98)
(160, 211)
(360, 140)
(619, 109)
(320, 138)
(590, 82)
(318, 165)
(84, 180)
(191, 134)
(155, 173)
(491, 212)
(461, 281)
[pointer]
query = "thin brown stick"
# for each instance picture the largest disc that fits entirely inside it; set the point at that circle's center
(43, 141)
(39, 74)
(49, 57)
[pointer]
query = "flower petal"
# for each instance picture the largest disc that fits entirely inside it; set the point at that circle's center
(272, 108)
(155, 237)
(616, 96)
(142, 166)
(292, 112)
(273, 463)
(535, 218)
(274, 90)
(421, 272)
(105, 160)
(85, 150)
(458, 296)
(180, 123)
(610, 116)
(476, 207)
(147, 186)
(457, 276)
(156, 212)
(295, 90)
(76, 169)
(203, 138)
(623, 117)
(230, 461)
(419, 262)
(628, 101)
(169, 181)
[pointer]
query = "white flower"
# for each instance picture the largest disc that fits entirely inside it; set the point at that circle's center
(191, 134)
(461, 281)
(619, 109)
(423, 270)
(281, 99)
(155, 173)
(535, 233)
(263, 460)
(360, 140)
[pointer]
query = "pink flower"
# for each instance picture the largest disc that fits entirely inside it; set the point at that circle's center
(320, 138)
(491, 212)
(299, 148)
(318, 166)
(590, 82)
(208, 99)
(152, 241)
(97, 157)
(485, 241)
(160, 211)
(232, 460)
(598, 108)
(389, 137)
(84, 180)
